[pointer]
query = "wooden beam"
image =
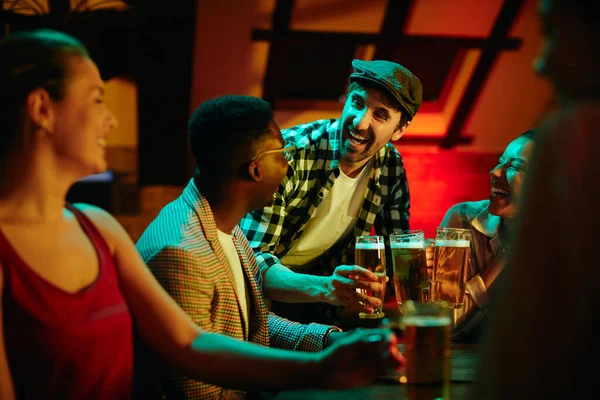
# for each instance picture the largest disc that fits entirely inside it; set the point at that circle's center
(492, 49)
(282, 17)
(392, 29)
(337, 38)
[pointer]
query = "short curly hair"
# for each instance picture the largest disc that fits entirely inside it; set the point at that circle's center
(226, 129)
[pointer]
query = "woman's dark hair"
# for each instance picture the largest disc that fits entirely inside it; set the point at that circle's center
(31, 60)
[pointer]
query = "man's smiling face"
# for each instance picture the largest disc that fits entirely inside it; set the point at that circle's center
(368, 123)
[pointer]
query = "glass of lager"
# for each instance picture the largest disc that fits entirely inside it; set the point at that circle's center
(451, 265)
(427, 333)
(410, 267)
(369, 253)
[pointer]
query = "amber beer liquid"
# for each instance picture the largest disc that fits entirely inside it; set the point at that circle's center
(451, 262)
(427, 349)
(372, 257)
(410, 272)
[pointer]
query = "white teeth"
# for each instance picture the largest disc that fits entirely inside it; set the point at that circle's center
(358, 137)
(101, 142)
(496, 190)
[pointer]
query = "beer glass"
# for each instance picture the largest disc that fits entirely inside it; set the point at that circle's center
(451, 265)
(427, 333)
(410, 267)
(369, 253)
(429, 258)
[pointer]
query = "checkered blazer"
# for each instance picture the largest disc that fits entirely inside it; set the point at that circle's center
(182, 249)
(311, 175)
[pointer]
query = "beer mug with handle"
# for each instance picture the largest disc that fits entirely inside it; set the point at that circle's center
(410, 266)
(369, 253)
(451, 265)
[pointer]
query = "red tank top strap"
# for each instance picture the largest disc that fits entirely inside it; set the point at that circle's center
(17, 272)
(90, 230)
(9, 256)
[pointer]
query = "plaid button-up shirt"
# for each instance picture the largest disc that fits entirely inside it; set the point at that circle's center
(311, 175)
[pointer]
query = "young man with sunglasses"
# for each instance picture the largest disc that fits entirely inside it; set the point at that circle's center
(345, 179)
(199, 254)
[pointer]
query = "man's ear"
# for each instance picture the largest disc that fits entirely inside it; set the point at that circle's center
(39, 109)
(254, 171)
(399, 132)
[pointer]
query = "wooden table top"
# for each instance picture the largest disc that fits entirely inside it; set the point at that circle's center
(464, 360)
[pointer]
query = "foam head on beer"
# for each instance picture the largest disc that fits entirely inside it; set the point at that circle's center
(407, 245)
(369, 246)
(452, 243)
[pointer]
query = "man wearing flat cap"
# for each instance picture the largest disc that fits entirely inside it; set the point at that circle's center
(345, 179)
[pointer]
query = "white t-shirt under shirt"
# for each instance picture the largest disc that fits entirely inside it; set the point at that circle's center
(238, 273)
(333, 220)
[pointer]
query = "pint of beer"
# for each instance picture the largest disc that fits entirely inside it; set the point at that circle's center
(410, 267)
(369, 253)
(451, 265)
(427, 333)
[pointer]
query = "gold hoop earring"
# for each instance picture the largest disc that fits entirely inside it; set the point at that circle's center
(46, 128)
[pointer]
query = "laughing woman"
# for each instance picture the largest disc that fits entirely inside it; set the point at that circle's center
(72, 285)
(491, 222)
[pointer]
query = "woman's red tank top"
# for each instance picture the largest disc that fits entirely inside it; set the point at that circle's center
(64, 345)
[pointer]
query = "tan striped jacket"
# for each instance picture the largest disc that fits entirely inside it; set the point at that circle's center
(182, 249)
